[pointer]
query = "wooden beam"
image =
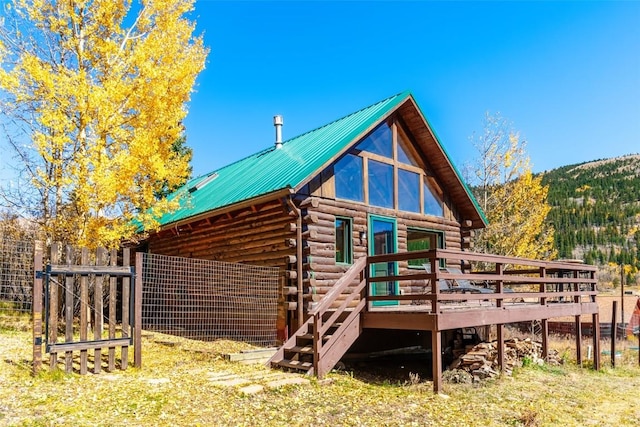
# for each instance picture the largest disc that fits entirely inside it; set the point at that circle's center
(88, 345)
(596, 340)
(500, 336)
(578, 341)
(545, 340)
(405, 321)
(436, 360)
(614, 315)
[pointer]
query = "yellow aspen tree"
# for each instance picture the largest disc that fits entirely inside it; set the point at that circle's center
(93, 93)
(514, 201)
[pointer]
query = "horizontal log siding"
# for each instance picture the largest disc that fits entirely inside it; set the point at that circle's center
(256, 238)
(320, 244)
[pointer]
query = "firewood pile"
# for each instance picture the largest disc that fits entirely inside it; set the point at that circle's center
(481, 361)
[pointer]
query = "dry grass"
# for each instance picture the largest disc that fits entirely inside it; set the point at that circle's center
(174, 388)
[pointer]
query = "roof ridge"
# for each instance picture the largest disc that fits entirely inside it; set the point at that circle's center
(271, 148)
(405, 93)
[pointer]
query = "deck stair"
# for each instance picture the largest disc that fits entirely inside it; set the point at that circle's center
(333, 326)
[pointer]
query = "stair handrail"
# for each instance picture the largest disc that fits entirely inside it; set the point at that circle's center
(355, 271)
(336, 290)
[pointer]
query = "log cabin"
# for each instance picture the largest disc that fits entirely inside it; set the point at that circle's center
(360, 216)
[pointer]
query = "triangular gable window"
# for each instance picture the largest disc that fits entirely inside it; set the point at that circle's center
(432, 200)
(385, 170)
(378, 142)
(404, 155)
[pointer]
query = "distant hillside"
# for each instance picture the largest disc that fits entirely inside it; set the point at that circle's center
(596, 211)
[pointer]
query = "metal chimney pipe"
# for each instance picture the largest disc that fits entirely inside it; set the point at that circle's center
(278, 122)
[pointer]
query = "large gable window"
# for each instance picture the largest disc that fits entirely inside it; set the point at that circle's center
(379, 142)
(432, 201)
(385, 170)
(348, 176)
(409, 188)
(380, 184)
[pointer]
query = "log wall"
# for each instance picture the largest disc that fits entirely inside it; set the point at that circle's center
(320, 268)
(260, 236)
(266, 235)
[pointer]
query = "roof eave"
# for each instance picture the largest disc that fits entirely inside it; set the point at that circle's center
(481, 220)
(228, 208)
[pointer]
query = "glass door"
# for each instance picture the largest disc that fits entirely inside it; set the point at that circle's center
(383, 240)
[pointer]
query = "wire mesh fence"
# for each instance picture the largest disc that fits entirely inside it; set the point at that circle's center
(209, 300)
(16, 279)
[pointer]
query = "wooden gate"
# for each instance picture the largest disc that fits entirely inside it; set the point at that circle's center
(94, 301)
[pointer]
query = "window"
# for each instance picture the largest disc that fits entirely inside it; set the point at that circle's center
(378, 142)
(432, 202)
(348, 176)
(403, 154)
(380, 184)
(423, 240)
(408, 191)
(344, 241)
(385, 170)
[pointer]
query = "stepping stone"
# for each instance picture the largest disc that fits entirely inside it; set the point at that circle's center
(252, 389)
(232, 382)
(287, 381)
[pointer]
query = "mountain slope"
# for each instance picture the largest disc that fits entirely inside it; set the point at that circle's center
(596, 211)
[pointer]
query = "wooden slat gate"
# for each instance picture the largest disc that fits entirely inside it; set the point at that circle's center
(81, 294)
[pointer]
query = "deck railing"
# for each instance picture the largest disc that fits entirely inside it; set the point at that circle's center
(495, 279)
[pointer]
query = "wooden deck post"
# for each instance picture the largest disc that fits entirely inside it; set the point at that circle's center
(37, 307)
(436, 360)
(578, 341)
(596, 340)
(614, 315)
(500, 333)
(545, 339)
(578, 328)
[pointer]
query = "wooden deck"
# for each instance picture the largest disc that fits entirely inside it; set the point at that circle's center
(494, 290)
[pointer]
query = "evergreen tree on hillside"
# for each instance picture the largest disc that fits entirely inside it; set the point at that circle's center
(596, 211)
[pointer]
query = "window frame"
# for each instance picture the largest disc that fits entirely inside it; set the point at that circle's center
(440, 244)
(347, 240)
(398, 132)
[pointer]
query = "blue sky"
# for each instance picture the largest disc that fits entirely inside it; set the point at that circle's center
(566, 74)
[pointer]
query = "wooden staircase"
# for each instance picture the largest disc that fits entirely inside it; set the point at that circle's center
(333, 326)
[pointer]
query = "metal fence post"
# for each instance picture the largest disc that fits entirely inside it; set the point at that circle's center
(37, 307)
(137, 313)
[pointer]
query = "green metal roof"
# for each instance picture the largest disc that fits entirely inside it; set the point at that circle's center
(278, 169)
(275, 169)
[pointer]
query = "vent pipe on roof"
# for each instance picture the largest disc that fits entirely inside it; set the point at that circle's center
(278, 122)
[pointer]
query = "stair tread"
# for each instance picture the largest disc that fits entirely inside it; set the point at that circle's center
(295, 364)
(306, 349)
(310, 336)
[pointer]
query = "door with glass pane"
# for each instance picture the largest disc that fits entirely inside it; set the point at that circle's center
(383, 240)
